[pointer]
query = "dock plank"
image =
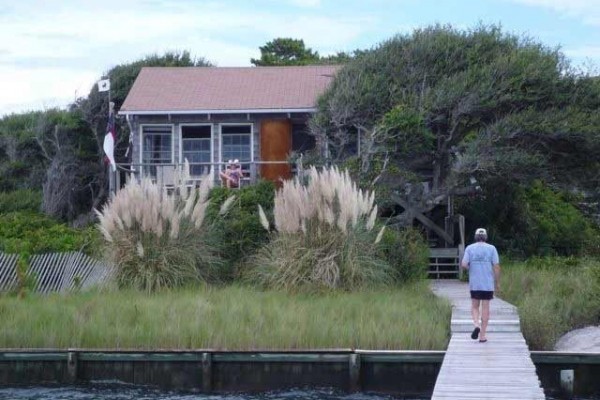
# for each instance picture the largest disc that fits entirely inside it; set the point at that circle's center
(499, 369)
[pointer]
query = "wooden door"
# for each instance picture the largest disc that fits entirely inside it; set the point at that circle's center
(275, 145)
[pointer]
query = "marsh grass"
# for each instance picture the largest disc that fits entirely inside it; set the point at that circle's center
(554, 296)
(233, 318)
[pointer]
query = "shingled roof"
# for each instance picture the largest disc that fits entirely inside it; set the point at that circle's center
(159, 90)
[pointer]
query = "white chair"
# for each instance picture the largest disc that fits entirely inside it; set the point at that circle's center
(165, 176)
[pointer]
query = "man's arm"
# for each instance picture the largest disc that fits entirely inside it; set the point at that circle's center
(465, 261)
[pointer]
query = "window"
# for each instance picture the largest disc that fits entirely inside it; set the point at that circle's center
(236, 143)
(196, 148)
(157, 147)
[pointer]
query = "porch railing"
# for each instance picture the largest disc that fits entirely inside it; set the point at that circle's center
(164, 173)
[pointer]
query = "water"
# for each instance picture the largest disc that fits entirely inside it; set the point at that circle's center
(106, 391)
(130, 392)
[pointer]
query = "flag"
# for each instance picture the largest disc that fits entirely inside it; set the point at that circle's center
(104, 85)
(110, 138)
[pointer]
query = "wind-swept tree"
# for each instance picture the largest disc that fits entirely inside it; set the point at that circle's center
(453, 107)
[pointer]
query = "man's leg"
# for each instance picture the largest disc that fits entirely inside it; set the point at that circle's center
(485, 318)
(475, 311)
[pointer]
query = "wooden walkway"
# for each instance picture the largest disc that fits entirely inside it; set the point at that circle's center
(499, 369)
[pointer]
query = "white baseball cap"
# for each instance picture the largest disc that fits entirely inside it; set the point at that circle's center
(481, 231)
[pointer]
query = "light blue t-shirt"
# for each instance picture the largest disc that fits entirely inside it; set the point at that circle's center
(481, 258)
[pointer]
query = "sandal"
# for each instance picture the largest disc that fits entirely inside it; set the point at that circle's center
(482, 340)
(475, 333)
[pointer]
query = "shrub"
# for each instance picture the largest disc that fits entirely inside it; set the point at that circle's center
(27, 232)
(158, 240)
(529, 221)
(407, 252)
(324, 237)
(20, 200)
(555, 225)
(239, 231)
(12, 175)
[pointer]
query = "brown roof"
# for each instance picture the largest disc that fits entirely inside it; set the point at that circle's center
(189, 89)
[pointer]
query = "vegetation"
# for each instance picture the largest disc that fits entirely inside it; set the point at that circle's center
(407, 253)
(461, 109)
(530, 220)
(233, 318)
(554, 296)
(239, 231)
(29, 233)
(285, 51)
(324, 237)
(288, 51)
(60, 152)
(20, 200)
(158, 240)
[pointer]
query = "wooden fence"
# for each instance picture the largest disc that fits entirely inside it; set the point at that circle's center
(55, 272)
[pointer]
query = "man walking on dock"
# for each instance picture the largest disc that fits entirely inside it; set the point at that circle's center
(483, 263)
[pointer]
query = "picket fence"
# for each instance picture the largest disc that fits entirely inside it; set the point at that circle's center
(55, 272)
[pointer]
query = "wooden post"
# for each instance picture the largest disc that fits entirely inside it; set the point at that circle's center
(111, 181)
(206, 372)
(461, 244)
(253, 172)
(449, 228)
(567, 379)
(354, 373)
(72, 366)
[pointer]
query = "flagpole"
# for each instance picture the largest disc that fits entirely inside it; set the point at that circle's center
(111, 174)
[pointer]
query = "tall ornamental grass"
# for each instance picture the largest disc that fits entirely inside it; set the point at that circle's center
(160, 240)
(324, 237)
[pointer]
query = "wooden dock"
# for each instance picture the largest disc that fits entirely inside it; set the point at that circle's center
(501, 368)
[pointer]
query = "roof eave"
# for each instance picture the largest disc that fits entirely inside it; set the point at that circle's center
(229, 111)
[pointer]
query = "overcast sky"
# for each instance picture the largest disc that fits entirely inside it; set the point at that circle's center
(52, 51)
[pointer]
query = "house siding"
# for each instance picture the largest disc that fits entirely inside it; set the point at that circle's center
(215, 120)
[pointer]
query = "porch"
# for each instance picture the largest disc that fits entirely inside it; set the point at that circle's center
(165, 174)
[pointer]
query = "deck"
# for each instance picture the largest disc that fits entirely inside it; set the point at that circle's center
(499, 369)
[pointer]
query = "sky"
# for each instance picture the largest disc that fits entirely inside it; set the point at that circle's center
(53, 51)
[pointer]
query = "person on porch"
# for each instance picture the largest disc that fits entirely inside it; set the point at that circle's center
(232, 174)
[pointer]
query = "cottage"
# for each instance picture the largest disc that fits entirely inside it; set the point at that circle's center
(209, 115)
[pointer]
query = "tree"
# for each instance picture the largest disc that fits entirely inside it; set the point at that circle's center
(61, 150)
(447, 107)
(94, 108)
(285, 51)
(21, 161)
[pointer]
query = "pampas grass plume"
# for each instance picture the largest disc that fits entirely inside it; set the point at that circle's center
(380, 235)
(226, 205)
(263, 218)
